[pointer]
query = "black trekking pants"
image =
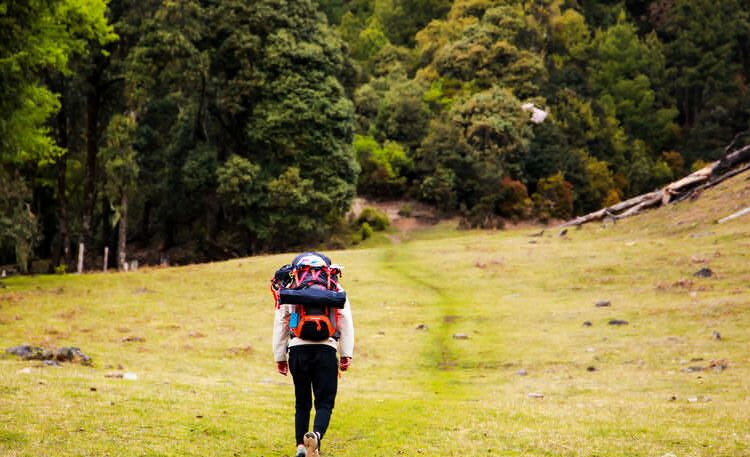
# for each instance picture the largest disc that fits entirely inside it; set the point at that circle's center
(315, 370)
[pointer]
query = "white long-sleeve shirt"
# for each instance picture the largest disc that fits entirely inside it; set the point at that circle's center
(283, 339)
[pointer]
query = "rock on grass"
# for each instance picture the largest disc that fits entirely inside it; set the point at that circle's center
(63, 354)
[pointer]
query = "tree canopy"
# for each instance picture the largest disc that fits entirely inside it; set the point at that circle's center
(197, 129)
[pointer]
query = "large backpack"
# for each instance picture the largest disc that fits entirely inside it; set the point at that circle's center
(311, 284)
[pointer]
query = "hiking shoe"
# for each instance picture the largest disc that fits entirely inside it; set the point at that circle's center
(311, 444)
(301, 451)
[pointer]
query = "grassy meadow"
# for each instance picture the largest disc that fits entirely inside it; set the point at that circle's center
(207, 386)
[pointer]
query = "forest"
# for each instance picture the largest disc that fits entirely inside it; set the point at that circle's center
(196, 130)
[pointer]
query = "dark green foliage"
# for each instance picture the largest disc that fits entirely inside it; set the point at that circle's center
(471, 158)
(230, 127)
(625, 71)
(402, 115)
(706, 46)
(260, 103)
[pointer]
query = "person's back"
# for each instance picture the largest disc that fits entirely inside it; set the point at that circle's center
(313, 320)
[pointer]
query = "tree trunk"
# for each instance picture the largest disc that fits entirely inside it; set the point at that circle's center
(123, 233)
(92, 151)
(106, 221)
(62, 253)
(63, 256)
(143, 233)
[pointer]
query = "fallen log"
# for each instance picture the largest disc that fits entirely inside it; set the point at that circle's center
(694, 179)
(654, 199)
(731, 160)
(733, 163)
(612, 211)
(713, 182)
(739, 213)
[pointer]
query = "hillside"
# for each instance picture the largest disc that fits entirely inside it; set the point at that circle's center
(200, 347)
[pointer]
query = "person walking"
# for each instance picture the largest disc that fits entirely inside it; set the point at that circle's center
(312, 334)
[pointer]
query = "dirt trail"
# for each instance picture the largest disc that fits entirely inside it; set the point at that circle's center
(439, 354)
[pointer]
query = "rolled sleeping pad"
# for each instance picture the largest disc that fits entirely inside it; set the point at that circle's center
(312, 297)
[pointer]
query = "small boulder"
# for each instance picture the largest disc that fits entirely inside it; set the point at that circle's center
(460, 336)
(27, 352)
(587, 323)
(716, 335)
(72, 354)
(133, 339)
(522, 372)
(603, 304)
(590, 368)
(535, 395)
(704, 272)
(421, 327)
(617, 322)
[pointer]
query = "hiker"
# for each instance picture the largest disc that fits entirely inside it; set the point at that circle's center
(313, 320)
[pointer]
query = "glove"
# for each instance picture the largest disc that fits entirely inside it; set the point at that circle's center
(282, 367)
(344, 363)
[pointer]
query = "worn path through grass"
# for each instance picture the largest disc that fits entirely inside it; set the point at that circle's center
(207, 386)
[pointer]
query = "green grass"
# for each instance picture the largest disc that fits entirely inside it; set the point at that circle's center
(207, 331)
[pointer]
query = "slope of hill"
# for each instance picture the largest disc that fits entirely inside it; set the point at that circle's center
(503, 316)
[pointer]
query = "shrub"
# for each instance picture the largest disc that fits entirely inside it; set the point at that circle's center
(374, 218)
(366, 231)
(513, 199)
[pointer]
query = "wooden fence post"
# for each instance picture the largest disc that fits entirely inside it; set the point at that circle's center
(80, 258)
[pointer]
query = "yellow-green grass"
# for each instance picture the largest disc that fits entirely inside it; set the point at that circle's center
(207, 384)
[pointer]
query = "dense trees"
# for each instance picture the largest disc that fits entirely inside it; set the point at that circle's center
(204, 129)
(635, 91)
